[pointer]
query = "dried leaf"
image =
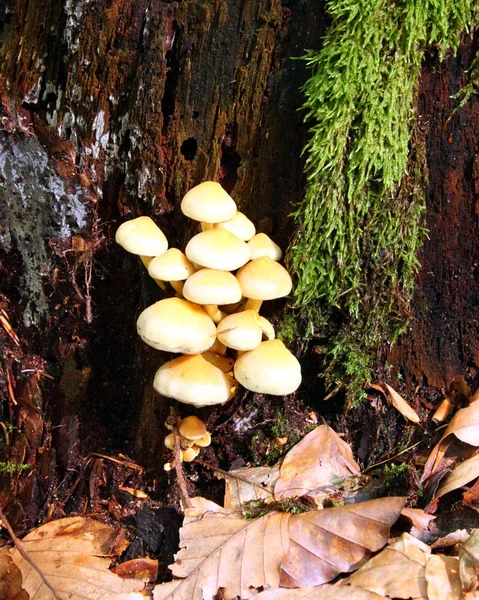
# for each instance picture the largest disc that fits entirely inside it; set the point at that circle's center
(400, 404)
(141, 569)
(10, 578)
(419, 519)
(442, 577)
(469, 562)
(322, 592)
(334, 540)
(221, 550)
(399, 571)
(319, 458)
(73, 556)
(465, 426)
(463, 474)
(243, 485)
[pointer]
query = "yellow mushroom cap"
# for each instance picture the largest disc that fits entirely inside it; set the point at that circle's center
(240, 226)
(171, 266)
(263, 245)
(193, 380)
(141, 236)
(269, 369)
(264, 279)
(176, 325)
(210, 286)
(243, 330)
(217, 249)
(192, 428)
(208, 202)
(204, 441)
(190, 454)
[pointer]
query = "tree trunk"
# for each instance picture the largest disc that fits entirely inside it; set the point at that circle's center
(112, 109)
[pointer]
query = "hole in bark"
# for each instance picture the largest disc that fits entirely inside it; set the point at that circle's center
(230, 159)
(189, 148)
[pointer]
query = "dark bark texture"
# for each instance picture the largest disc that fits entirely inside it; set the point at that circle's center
(112, 109)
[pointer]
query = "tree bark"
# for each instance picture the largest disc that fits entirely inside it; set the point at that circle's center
(112, 109)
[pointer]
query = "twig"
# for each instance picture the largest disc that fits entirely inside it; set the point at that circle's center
(386, 460)
(179, 470)
(226, 474)
(21, 549)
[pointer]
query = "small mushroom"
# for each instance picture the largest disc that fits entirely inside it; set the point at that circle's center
(263, 245)
(240, 226)
(208, 203)
(211, 287)
(263, 279)
(172, 266)
(244, 330)
(194, 380)
(143, 237)
(269, 369)
(176, 325)
(192, 428)
(204, 441)
(217, 249)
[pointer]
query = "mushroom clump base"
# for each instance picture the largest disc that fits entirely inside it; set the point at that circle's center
(213, 321)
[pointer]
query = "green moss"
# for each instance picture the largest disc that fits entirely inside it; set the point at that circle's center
(360, 224)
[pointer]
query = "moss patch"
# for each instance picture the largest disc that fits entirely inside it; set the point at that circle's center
(360, 224)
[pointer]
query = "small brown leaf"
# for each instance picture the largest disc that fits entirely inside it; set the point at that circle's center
(419, 519)
(463, 474)
(399, 571)
(334, 540)
(250, 483)
(141, 569)
(10, 578)
(319, 458)
(400, 404)
(442, 577)
(322, 592)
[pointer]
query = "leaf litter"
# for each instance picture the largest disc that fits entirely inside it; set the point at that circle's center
(289, 556)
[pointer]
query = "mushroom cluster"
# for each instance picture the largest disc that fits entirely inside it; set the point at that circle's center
(192, 436)
(221, 281)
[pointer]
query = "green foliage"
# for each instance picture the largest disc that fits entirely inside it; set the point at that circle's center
(9, 468)
(360, 224)
(254, 509)
(392, 472)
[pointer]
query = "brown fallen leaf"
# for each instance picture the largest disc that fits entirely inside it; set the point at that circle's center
(465, 426)
(319, 458)
(322, 592)
(400, 404)
(442, 577)
(141, 569)
(250, 483)
(73, 556)
(10, 578)
(398, 571)
(462, 474)
(221, 550)
(420, 520)
(334, 540)
(469, 562)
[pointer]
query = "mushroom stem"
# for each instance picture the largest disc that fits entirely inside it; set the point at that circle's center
(253, 304)
(214, 312)
(146, 260)
(162, 284)
(178, 287)
(206, 226)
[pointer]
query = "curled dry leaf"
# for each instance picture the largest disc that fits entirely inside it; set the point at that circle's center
(420, 520)
(399, 571)
(400, 404)
(142, 569)
(334, 540)
(469, 562)
(463, 474)
(73, 556)
(442, 577)
(319, 458)
(322, 592)
(465, 426)
(250, 483)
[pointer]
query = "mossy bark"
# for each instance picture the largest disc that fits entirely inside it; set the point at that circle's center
(115, 109)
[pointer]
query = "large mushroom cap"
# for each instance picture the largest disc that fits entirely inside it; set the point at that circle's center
(217, 249)
(193, 380)
(269, 369)
(209, 286)
(208, 202)
(262, 245)
(264, 279)
(171, 266)
(176, 325)
(141, 236)
(240, 226)
(243, 330)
